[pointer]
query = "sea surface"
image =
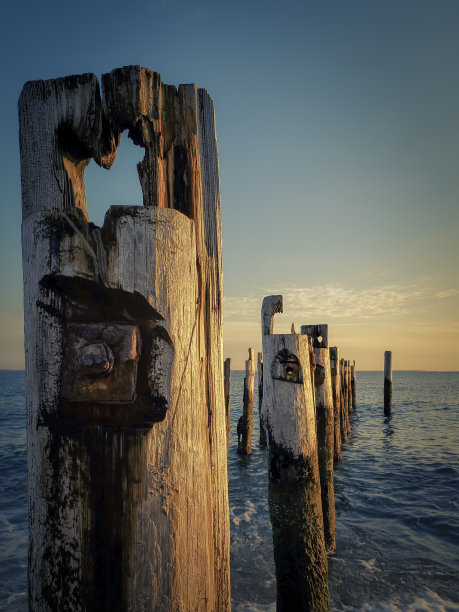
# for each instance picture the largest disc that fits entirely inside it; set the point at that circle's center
(396, 490)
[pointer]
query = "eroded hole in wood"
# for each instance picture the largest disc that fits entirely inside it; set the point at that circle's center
(119, 185)
(286, 366)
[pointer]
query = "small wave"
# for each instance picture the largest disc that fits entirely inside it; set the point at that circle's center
(251, 511)
(17, 602)
(237, 518)
(255, 607)
(429, 601)
(370, 565)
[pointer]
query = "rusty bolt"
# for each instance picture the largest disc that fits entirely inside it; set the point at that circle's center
(95, 358)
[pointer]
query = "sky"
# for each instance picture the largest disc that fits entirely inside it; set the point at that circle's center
(338, 136)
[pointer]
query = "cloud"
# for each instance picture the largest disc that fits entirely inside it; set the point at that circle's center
(445, 294)
(333, 301)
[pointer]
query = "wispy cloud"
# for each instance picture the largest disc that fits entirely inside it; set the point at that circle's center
(446, 294)
(337, 302)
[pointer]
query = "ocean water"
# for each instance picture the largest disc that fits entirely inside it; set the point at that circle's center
(13, 492)
(396, 496)
(396, 490)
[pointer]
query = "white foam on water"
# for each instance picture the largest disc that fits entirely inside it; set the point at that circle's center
(243, 516)
(252, 510)
(429, 601)
(370, 565)
(251, 607)
(236, 520)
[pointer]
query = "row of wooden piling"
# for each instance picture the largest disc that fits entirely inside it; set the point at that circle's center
(127, 471)
(306, 395)
(343, 396)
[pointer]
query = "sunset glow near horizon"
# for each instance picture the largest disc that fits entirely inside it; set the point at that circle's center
(338, 134)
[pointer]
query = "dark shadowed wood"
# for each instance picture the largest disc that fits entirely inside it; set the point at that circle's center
(260, 399)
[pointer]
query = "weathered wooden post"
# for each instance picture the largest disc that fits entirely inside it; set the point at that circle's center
(344, 382)
(294, 484)
(349, 385)
(325, 423)
(341, 394)
(344, 398)
(260, 399)
(388, 383)
(123, 338)
(227, 386)
(346, 391)
(312, 367)
(245, 442)
(336, 384)
(353, 386)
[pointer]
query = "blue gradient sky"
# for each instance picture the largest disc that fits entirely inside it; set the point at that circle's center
(338, 131)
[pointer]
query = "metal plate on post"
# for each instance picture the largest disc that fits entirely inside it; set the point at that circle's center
(100, 363)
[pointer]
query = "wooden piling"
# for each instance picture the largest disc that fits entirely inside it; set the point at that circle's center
(260, 399)
(325, 423)
(343, 412)
(127, 461)
(388, 383)
(353, 386)
(346, 401)
(344, 398)
(349, 386)
(227, 387)
(245, 441)
(335, 383)
(294, 484)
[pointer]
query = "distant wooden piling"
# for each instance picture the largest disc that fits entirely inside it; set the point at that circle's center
(353, 385)
(343, 411)
(227, 387)
(346, 392)
(127, 461)
(335, 383)
(260, 399)
(325, 422)
(312, 367)
(245, 443)
(388, 383)
(344, 399)
(349, 386)
(294, 484)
